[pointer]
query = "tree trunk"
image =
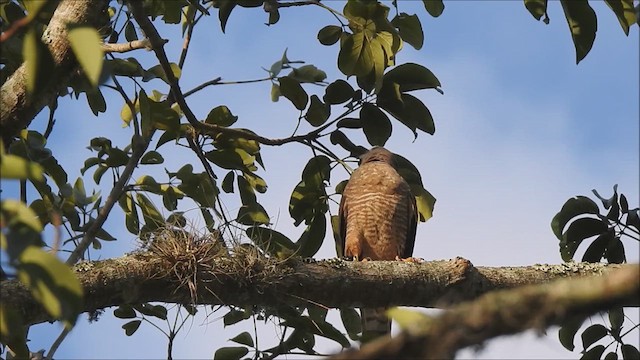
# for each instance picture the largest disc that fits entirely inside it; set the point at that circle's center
(17, 107)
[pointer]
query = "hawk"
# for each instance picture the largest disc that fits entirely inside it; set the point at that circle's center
(378, 218)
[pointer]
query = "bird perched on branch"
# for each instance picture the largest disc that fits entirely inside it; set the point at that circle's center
(378, 218)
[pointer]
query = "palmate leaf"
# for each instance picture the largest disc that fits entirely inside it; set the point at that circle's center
(372, 46)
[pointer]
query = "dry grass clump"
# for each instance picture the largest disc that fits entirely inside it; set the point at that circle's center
(188, 253)
(191, 255)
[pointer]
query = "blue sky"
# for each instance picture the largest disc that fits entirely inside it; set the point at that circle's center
(519, 130)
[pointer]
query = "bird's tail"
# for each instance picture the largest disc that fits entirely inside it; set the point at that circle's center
(375, 323)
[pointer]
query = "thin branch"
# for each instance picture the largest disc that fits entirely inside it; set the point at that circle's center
(126, 47)
(157, 44)
(218, 81)
(297, 3)
(56, 343)
(139, 147)
(24, 22)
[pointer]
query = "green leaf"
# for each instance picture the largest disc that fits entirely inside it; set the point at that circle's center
(349, 123)
(256, 182)
(594, 354)
(228, 159)
(578, 231)
(596, 251)
(131, 214)
(96, 101)
(124, 311)
(308, 74)
(410, 29)
(337, 137)
(338, 92)
(12, 331)
(625, 13)
(607, 203)
(235, 316)
(434, 7)
(38, 61)
(318, 112)
(225, 11)
(624, 204)
(131, 327)
(375, 124)
(616, 317)
(312, 237)
(275, 92)
(158, 72)
(573, 207)
(317, 171)
(243, 338)
(19, 214)
(230, 353)
(351, 321)
(221, 116)
(52, 283)
(411, 112)
(247, 195)
(152, 217)
(292, 90)
(335, 229)
(152, 158)
(630, 352)
(130, 32)
(227, 182)
(425, 202)
(411, 76)
(593, 334)
(306, 201)
(615, 252)
(583, 25)
(252, 214)
(16, 167)
(411, 321)
(271, 241)
(147, 309)
(146, 115)
(86, 45)
(568, 332)
(611, 356)
(538, 9)
(329, 34)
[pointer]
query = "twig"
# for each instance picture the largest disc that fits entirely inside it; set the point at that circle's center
(126, 47)
(139, 147)
(298, 3)
(24, 22)
(56, 344)
(51, 121)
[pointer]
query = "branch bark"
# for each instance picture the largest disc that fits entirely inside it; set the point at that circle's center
(503, 313)
(18, 108)
(245, 280)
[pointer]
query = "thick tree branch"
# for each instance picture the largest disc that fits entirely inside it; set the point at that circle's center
(253, 280)
(17, 108)
(503, 313)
